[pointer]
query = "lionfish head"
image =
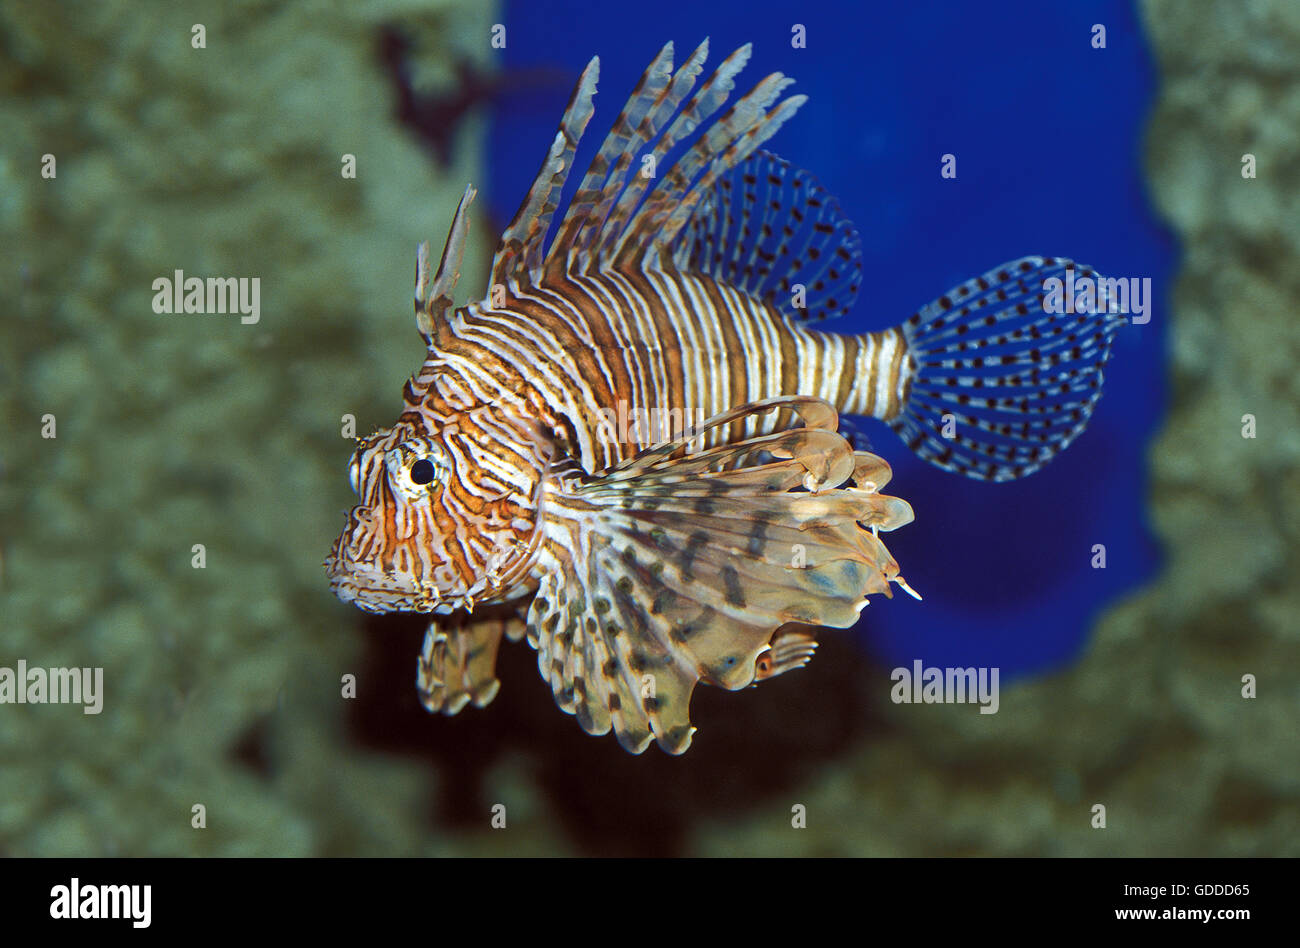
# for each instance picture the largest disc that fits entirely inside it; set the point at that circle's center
(447, 519)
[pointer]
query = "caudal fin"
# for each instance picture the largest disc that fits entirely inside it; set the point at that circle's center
(1003, 372)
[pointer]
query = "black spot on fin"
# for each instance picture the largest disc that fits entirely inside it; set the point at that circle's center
(768, 228)
(791, 537)
(1001, 380)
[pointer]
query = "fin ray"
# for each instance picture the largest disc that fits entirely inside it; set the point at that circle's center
(457, 664)
(519, 254)
(616, 218)
(768, 227)
(654, 100)
(676, 567)
(1020, 382)
(791, 648)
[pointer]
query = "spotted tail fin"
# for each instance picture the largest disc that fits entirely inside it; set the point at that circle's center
(998, 379)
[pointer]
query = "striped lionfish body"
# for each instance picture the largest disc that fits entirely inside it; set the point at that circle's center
(628, 449)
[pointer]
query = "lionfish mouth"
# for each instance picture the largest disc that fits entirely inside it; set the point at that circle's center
(371, 589)
(361, 583)
(350, 582)
(378, 592)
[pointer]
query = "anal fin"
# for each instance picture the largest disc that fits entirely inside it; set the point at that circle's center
(791, 648)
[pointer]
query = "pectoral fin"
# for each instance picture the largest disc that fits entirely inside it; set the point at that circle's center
(677, 567)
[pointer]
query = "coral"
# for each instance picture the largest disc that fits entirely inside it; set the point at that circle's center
(222, 684)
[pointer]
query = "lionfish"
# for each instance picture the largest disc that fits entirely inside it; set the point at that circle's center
(641, 558)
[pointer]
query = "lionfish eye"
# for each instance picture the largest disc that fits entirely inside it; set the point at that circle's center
(354, 474)
(422, 471)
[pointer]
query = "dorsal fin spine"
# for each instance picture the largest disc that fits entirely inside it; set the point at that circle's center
(711, 151)
(741, 148)
(622, 188)
(617, 218)
(625, 138)
(519, 255)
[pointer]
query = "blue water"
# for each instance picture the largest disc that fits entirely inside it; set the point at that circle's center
(1047, 135)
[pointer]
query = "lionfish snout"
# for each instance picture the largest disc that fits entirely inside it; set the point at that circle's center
(434, 531)
(392, 554)
(372, 569)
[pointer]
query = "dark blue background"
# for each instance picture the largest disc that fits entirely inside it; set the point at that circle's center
(1047, 134)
